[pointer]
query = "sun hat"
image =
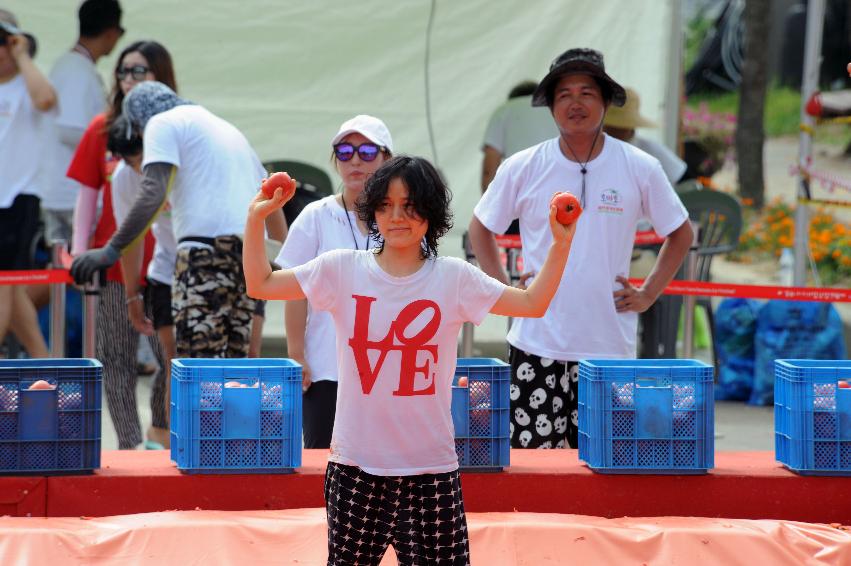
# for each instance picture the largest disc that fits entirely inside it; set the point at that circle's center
(9, 25)
(627, 116)
(584, 61)
(369, 127)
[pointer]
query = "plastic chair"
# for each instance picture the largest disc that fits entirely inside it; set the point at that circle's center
(718, 217)
(688, 185)
(313, 184)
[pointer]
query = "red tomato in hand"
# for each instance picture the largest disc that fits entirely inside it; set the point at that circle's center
(568, 208)
(276, 181)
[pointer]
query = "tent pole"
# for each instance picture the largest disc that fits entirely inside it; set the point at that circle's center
(674, 84)
(809, 84)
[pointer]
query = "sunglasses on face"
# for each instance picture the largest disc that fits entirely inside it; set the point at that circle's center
(366, 151)
(138, 72)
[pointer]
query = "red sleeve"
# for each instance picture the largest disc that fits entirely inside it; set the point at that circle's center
(88, 164)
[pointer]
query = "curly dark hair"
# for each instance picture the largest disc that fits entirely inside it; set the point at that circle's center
(427, 193)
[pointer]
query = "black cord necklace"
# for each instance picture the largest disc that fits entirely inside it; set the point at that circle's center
(352, 228)
(583, 169)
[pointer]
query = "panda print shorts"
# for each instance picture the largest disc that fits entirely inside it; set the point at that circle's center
(544, 397)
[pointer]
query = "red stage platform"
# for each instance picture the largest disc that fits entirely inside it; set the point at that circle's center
(745, 485)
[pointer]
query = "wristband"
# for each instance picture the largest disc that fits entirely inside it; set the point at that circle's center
(136, 297)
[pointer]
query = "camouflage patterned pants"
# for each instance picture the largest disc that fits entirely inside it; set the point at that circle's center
(212, 313)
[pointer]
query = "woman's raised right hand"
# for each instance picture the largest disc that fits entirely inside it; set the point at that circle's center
(263, 205)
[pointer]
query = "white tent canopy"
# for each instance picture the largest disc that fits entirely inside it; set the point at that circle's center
(288, 73)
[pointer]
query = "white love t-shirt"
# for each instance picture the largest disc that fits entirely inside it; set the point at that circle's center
(623, 184)
(397, 346)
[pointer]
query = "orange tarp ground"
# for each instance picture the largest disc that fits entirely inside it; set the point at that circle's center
(297, 536)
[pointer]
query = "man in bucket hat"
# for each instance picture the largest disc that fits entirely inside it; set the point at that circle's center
(594, 314)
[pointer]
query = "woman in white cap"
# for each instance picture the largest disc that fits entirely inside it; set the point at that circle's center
(361, 146)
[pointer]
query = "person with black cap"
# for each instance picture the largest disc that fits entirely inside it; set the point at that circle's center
(595, 312)
(82, 96)
(26, 101)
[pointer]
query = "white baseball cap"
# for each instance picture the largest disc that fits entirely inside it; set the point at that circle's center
(369, 127)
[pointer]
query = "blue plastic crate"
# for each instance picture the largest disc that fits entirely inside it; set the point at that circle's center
(646, 416)
(50, 431)
(480, 414)
(254, 428)
(812, 416)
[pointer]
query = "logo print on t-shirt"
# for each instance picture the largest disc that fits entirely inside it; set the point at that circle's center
(408, 346)
(610, 201)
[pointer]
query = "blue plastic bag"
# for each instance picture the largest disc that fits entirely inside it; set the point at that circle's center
(793, 330)
(735, 327)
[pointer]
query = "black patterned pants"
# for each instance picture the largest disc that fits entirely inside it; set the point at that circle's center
(116, 345)
(544, 401)
(422, 516)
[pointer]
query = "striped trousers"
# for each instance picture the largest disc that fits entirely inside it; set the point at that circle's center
(116, 345)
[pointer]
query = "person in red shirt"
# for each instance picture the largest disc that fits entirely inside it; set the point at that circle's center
(117, 340)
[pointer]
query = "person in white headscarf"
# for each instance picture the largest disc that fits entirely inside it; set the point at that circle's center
(207, 171)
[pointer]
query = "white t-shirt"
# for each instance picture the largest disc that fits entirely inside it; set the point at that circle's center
(82, 96)
(517, 125)
(126, 184)
(623, 184)
(674, 167)
(218, 172)
(320, 227)
(21, 136)
(397, 341)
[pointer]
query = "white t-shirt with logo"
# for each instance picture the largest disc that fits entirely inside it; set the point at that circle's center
(320, 227)
(218, 172)
(126, 184)
(82, 96)
(21, 136)
(397, 344)
(623, 184)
